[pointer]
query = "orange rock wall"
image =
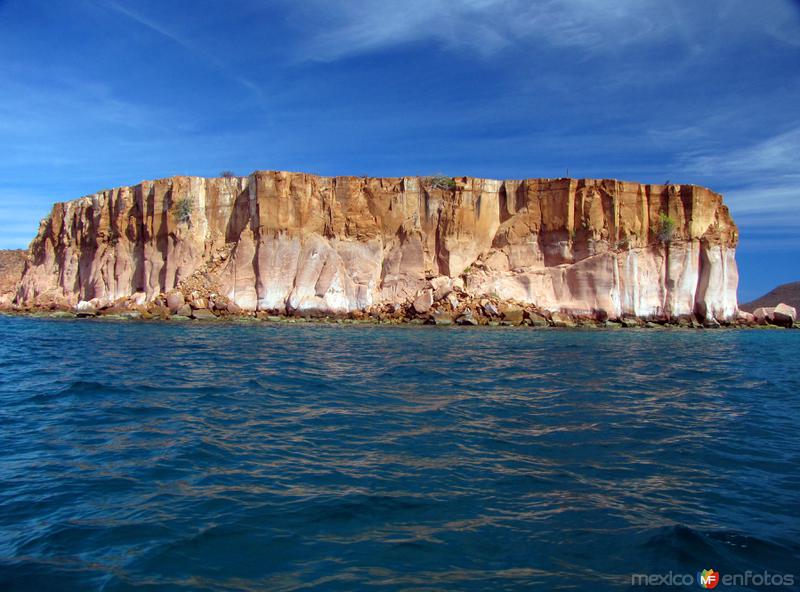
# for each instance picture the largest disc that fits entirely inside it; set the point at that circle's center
(278, 241)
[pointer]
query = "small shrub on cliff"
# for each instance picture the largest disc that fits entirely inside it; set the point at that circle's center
(666, 228)
(183, 209)
(227, 174)
(440, 182)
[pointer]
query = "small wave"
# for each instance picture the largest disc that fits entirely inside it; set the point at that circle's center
(725, 550)
(296, 458)
(84, 387)
(77, 388)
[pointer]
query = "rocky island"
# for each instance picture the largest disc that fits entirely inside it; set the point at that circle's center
(437, 249)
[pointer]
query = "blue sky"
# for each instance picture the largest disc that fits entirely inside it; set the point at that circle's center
(97, 94)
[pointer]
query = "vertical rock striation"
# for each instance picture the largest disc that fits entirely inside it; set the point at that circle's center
(296, 242)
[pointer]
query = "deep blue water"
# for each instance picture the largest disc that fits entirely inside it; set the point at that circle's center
(295, 457)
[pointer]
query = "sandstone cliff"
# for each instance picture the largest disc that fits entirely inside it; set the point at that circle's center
(296, 242)
(12, 264)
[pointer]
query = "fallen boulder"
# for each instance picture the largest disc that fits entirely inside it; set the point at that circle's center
(512, 314)
(203, 314)
(467, 318)
(85, 309)
(452, 300)
(423, 302)
(441, 317)
(537, 320)
(784, 315)
(198, 303)
(763, 314)
(441, 286)
(491, 310)
(174, 301)
(562, 319)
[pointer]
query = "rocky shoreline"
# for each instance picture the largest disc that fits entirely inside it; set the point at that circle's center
(453, 308)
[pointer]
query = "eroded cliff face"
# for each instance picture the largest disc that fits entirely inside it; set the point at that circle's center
(288, 242)
(12, 264)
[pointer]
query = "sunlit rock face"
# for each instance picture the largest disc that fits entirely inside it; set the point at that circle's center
(297, 242)
(12, 264)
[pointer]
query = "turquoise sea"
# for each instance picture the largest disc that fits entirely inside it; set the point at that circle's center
(167, 456)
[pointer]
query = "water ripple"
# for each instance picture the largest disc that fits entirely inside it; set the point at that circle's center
(251, 457)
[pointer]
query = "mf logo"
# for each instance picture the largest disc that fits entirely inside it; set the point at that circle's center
(708, 578)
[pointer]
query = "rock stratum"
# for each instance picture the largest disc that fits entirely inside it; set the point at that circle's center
(299, 243)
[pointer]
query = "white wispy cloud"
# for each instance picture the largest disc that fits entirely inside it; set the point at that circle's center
(776, 156)
(764, 212)
(766, 202)
(763, 178)
(336, 29)
(483, 26)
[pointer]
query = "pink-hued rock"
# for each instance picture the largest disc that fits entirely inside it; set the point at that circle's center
(277, 241)
(12, 264)
(746, 318)
(442, 286)
(174, 300)
(763, 315)
(784, 315)
(423, 302)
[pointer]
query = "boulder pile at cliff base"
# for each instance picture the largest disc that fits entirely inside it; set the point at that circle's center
(782, 315)
(443, 302)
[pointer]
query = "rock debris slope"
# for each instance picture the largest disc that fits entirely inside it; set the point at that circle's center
(293, 242)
